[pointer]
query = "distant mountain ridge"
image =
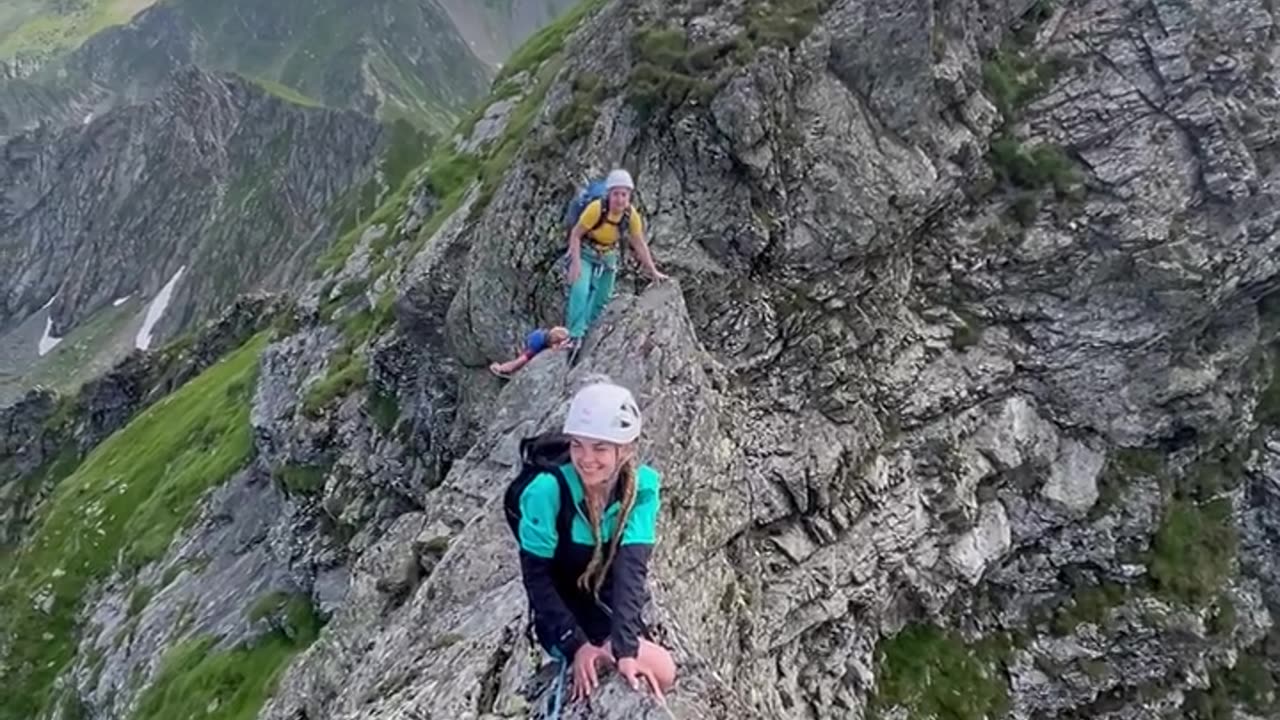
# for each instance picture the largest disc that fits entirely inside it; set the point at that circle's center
(160, 214)
(424, 61)
(148, 176)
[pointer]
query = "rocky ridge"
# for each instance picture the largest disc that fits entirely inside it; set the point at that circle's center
(923, 437)
(965, 399)
(422, 61)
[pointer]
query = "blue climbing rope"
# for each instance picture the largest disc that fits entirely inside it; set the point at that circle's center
(557, 694)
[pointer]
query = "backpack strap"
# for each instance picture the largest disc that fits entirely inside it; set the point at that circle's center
(604, 213)
(624, 227)
(530, 452)
(624, 236)
(624, 233)
(564, 518)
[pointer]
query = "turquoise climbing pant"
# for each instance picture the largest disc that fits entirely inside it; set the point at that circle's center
(590, 293)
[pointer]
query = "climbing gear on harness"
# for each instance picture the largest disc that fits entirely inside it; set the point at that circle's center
(600, 260)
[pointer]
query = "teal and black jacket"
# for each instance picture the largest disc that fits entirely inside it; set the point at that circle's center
(564, 615)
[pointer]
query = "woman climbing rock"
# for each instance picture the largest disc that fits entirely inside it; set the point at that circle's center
(585, 568)
(602, 222)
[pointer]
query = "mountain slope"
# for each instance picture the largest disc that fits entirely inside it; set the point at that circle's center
(964, 403)
(396, 59)
(39, 29)
(401, 60)
(174, 206)
(966, 398)
(495, 28)
(140, 505)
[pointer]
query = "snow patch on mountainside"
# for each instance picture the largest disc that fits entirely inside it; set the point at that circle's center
(156, 309)
(47, 341)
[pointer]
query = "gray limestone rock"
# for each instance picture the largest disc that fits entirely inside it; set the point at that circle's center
(889, 383)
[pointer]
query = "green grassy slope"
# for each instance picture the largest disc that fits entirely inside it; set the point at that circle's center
(326, 51)
(402, 59)
(87, 351)
(51, 26)
(120, 508)
(196, 676)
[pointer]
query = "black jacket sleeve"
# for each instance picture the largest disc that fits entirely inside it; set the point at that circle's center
(539, 536)
(630, 573)
(552, 620)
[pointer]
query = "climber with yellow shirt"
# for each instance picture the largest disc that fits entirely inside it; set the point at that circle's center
(594, 244)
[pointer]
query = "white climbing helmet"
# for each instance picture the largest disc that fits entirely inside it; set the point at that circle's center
(604, 411)
(619, 178)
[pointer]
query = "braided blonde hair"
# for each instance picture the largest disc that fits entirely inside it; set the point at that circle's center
(593, 577)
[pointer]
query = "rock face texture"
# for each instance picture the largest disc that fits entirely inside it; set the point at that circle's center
(964, 395)
(971, 342)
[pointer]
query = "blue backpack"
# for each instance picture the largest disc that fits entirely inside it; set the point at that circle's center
(594, 190)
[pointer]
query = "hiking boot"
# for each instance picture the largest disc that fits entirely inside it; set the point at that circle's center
(573, 347)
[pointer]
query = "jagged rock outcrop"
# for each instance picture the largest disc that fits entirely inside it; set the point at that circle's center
(910, 375)
(964, 398)
(463, 598)
(199, 589)
(17, 68)
(26, 104)
(24, 451)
